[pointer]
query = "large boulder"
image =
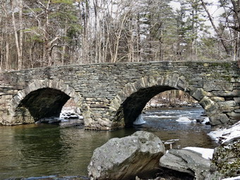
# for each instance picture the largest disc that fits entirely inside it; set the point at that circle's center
(226, 158)
(125, 158)
(186, 161)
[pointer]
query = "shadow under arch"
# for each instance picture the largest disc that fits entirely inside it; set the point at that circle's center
(42, 99)
(135, 103)
(131, 100)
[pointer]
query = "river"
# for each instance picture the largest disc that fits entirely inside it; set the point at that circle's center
(43, 149)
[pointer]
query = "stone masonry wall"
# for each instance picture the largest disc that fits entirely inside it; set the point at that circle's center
(100, 90)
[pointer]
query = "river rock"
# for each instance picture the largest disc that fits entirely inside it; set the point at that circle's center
(226, 158)
(186, 161)
(71, 123)
(127, 157)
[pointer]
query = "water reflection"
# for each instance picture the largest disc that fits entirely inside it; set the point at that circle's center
(37, 150)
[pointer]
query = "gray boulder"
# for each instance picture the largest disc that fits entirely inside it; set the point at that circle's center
(125, 158)
(186, 161)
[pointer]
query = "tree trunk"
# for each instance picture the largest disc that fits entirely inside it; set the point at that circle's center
(215, 28)
(20, 60)
(7, 56)
(18, 38)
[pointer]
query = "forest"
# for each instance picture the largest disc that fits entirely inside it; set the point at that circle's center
(40, 33)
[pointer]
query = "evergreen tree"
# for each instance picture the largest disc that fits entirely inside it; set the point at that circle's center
(191, 28)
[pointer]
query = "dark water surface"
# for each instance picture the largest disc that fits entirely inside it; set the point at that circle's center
(43, 150)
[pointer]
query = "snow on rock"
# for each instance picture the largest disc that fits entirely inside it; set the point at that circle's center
(206, 120)
(225, 135)
(184, 120)
(205, 152)
(70, 113)
(232, 178)
(70, 116)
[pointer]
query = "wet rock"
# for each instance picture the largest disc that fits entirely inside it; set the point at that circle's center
(71, 123)
(168, 174)
(186, 161)
(53, 177)
(125, 158)
(50, 120)
(203, 120)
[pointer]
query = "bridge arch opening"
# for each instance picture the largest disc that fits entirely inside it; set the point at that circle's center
(43, 103)
(44, 100)
(134, 105)
(132, 99)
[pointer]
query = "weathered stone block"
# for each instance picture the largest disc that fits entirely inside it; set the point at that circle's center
(237, 100)
(234, 115)
(199, 93)
(237, 110)
(217, 84)
(234, 93)
(218, 119)
(208, 104)
(218, 99)
(227, 106)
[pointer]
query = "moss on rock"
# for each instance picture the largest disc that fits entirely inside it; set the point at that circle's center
(226, 158)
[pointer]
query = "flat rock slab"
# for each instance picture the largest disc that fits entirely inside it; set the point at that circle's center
(186, 161)
(125, 158)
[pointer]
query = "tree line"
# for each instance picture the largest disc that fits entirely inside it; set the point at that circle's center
(40, 33)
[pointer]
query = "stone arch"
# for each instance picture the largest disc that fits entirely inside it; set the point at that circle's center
(53, 93)
(130, 101)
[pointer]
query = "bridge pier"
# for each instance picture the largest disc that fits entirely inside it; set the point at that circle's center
(98, 116)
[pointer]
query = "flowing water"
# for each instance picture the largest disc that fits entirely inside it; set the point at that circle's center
(43, 150)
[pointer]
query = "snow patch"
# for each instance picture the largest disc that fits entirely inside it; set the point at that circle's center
(232, 178)
(139, 120)
(205, 152)
(224, 135)
(206, 120)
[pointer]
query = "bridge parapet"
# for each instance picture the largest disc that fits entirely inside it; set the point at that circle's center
(112, 95)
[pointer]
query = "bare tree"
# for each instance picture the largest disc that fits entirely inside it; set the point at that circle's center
(219, 34)
(17, 7)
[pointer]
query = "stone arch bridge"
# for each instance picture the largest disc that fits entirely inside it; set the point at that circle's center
(112, 95)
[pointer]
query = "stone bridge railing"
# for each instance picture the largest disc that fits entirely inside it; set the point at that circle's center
(113, 95)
